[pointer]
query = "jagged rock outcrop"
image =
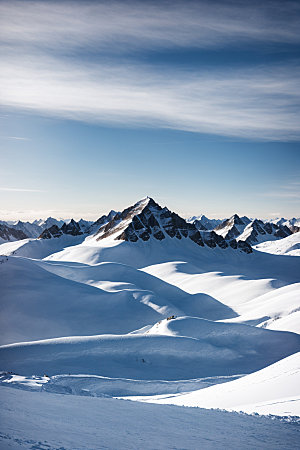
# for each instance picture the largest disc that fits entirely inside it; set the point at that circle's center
(72, 228)
(231, 228)
(52, 232)
(11, 234)
(95, 226)
(30, 229)
(258, 231)
(146, 219)
(204, 223)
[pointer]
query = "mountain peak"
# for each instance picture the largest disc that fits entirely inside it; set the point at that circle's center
(147, 219)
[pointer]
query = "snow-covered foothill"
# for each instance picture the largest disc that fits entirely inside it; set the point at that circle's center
(272, 390)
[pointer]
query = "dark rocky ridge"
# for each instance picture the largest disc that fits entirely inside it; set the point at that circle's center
(244, 230)
(72, 228)
(11, 234)
(147, 219)
(259, 228)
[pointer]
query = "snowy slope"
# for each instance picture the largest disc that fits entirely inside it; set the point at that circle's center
(40, 420)
(258, 287)
(39, 248)
(65, 307)
(286, 246)
(273, 390)
(147, 305)
(208, 349)
(80, 299)
(277, 309)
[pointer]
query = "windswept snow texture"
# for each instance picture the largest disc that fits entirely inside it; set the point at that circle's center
(40, 420)
(273, 390)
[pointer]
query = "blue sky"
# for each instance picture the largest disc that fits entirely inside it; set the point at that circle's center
(193, 103)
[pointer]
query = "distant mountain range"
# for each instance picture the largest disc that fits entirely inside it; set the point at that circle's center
(147, 219)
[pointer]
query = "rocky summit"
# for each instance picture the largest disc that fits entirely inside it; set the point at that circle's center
(146, 219)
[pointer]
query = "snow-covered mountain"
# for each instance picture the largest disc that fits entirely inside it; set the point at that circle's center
(231, 228)
(142, 304)
(34, 229)
(31, 230)
(257, 231)
(47, 223)
(251, 232)
(146, 220)
(73, 228)
(10, 234)
(204, 223)
(290, 223)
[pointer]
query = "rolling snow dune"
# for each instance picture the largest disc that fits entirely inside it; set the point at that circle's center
(256, 301)
(286, 246)
(214, 349)
(229, 277)
(273, 309)
(37, 303)
(272, 390)
(114, 277)
(81, 300)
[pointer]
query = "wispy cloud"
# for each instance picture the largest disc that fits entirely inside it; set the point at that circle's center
(7, 189)
(71, 65)
(120, 26)
(289, 191)
(16, 138)
(245, 103)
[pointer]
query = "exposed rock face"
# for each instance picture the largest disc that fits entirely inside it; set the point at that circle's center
(257, 229)
(203, 223)
(11, 234)
(30, 229)
(243, 230)
(94, 227)
(199, 225)
(72, 228)
(146, 219)
(232, 227)
(52, 232)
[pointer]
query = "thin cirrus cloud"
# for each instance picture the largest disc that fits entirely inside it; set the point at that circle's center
(138, 24)
(7, 189)
(244, 103)
(47, 67)
(289, 192)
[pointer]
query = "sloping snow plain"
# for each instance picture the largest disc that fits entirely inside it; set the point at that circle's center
(272, 390)
(286, 246)
(41, 420)
(153, 321)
